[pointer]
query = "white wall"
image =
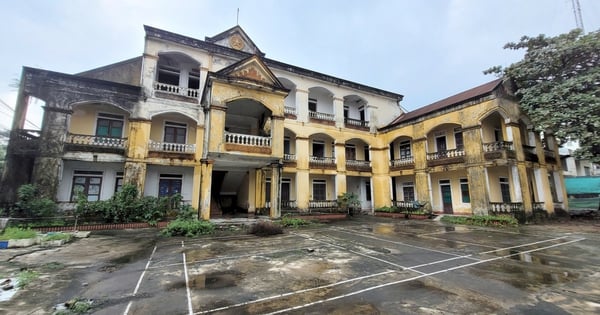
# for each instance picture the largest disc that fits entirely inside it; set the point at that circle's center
(109, 173)
(153, 174)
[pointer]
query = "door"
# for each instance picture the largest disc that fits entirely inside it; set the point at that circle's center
(440, 145)
(446, 196)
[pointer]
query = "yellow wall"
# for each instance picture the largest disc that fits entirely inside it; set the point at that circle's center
(158, 127)
(84, 118)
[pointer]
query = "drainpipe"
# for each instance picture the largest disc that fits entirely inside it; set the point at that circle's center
(207, 121)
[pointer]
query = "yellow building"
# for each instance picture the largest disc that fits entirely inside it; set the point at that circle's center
(233, 131)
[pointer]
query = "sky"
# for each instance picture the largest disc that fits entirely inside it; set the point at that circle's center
(424, 50)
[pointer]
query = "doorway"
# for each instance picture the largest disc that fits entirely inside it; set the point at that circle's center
(446, 191)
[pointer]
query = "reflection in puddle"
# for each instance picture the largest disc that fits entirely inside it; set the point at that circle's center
(215, 280)
(384, 228)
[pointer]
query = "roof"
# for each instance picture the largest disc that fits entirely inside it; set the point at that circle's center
(460, 98)
(582, 185)
(214, 48)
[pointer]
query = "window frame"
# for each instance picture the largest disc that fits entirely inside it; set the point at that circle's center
(111, 119)
(171, 178)
(87, 176)
(175, 125)
(465, 194)
(319, 182)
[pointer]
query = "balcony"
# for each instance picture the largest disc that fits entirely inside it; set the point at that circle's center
(550, 156)
(356, 123)
(446, 157)
(290, 112)
(77, 142)
(176, 92)
(24, 141)
(402, 163)
(530, 153)
(289, 159)
(358, 165)
(247, 143)
(327, 206)
(168, 147)
(499, 150)
(514, 209)
(325, 118)
(322, 162)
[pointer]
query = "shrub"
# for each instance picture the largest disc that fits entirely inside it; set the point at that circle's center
(293, 222)
(57, 236)
(25, 277)
(30, 203)
(15, 233)
(189, 228)
(265, 228)
(387, 209)
(482, 220)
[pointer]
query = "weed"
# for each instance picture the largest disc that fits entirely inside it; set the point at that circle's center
(15, 233)
(57, 236)
(293, 222)
(482, 220)
(189, 228)
(25, 277)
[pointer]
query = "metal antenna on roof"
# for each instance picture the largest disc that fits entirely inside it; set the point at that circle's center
(237, 21)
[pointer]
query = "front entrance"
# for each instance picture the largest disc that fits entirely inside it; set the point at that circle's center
(446, 191)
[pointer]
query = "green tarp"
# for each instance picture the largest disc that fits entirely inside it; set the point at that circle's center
(582, 185)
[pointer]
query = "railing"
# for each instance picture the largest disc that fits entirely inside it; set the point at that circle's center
(321, 116)
(358, 163)
(406, 205)
(530, 153)
(539, 206)
(289, 204)
(289, 110)
(506, 207)
(176, 90)
(322, 204)
(549, 154)
(171, 147)
(96, 141)
(445, 154)
(403, 161)
(289, 157)
(243, 139)
(26, 134)
(356, 122)
(320, 160)
(498, 146)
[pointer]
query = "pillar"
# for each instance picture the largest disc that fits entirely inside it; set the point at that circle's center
(276, 169)
(340, 177)
(338, 110)
(480, 199)
(302, 173)
(149, 65)
(381, 181)
(302, 105)
(205, 188)
(196, 186)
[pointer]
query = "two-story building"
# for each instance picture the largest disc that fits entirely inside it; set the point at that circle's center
(231, 130)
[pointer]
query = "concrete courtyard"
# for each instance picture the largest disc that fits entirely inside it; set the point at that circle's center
(363, 265)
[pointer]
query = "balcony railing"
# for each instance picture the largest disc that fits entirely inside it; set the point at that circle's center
(171, 147)
(358, 163)
(289, 110)
(409, 160)
(356, 122)
(289, 204)
(322, 204)
(321, 161)
(321, 116)
(445, 154)
(289, 157)
(176, 90)
(530, 153)
(250, 140)
(498, 146)
(96, 141)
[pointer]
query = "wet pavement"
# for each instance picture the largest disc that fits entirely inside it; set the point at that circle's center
(365, 265)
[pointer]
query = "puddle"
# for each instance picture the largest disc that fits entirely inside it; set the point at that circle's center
(215, 280)
(196, 255)
(8, 288)
(528, 276)
(132, 257)
(531, 259)
(384, 228)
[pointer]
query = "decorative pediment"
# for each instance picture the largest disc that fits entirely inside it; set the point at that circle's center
(252, 69)
(237, 39)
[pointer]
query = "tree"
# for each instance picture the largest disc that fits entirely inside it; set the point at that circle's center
(558, 86)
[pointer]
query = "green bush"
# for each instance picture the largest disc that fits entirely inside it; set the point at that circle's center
(25, 277)
(189, 228)
(31, 204)
(482, 220)
(57, 236)
(387, 209)
(15, 233)
(293, 222)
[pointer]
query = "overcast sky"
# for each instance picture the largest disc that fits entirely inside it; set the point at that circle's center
(424, 50)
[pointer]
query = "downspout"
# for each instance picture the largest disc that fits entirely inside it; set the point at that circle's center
(207, 121)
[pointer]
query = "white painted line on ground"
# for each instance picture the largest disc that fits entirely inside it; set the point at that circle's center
(294, 292)
(187, 286)
(414, 278)
(137, 286)
(528, 244)
(397, 243)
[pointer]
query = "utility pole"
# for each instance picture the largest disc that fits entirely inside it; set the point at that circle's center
(577, 13)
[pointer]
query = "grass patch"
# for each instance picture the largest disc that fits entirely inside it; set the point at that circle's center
(387, 209)
(293, 222)
(14, 233)
(188, 228)
(57, 236)
(25, 277)
(482, 220)
(265, 228)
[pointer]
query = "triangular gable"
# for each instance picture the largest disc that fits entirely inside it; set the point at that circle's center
(235, 38)
(252, 69)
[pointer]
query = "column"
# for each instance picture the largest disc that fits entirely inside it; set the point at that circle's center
(303, 173)
(135, 174)
(149, 66)
(338, 110)
(196, 186)
(205, 188)
(381, 181)
(340, 177)
(275, 190)
(301, 105)
(477, 177)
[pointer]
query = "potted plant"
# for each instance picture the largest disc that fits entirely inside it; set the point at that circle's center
(348, 202)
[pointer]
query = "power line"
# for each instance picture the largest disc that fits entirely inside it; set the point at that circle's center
(13, 111)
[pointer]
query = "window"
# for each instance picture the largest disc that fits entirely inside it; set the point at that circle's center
(268, 190)
(285, 189)
(169, 185)
(367, 153)
(175, 132)
(318, 148)
(505, 190)
(368, 190)
(88, 183)
(464, 190)
(458, 139)
(350, 152)
(408, 191)
(319, 189)
(440, 144)
(405, 151)
(119, 182)
(109, 125)
(312, 105)
(498, 134)
(346, 111)
(286, 145)
(194, 80)
(361, 113)
(168, 75)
